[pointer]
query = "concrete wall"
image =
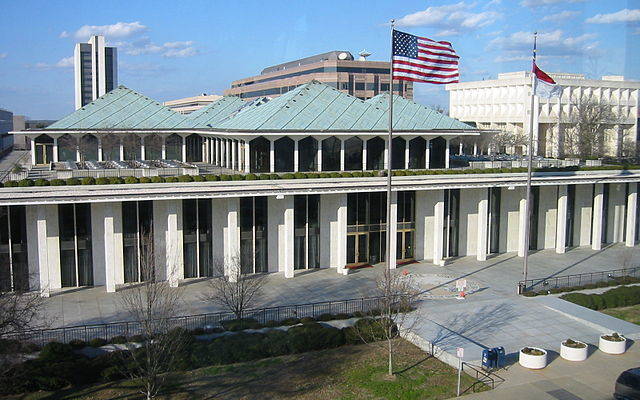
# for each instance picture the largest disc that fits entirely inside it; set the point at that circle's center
(582, 217)
(616, 213)
(547, 214)
(468, 233)
(509, 219)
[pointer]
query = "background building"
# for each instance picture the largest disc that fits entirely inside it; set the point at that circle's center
(505, 104)
(6, 126)
(95, 70)
(360, 78)
(21, 123)
(190, 104)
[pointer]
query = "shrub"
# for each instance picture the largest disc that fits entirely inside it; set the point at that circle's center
(56, 351)
(250, 177)
(41, 182)
(306, 320)
(264, 177)
(118, 340)
(115, 180)
(324, 175)
(198, 178)
(288, 175)
(10, 184)
(211, 178)
(346, 175)
(97, 342)
(57, 182)
(113, 373)
(357, 174)
(619, 297)
(313, 336)
(25, 183)
(325, 317)
(237, 177)
(290, 321)
(276, 343)
(342, 316)
(225, 177)
(131, 179)
(136, 339)
(300, 175)
(240, 324)
(171, 179)
(102, 181)
(335, 175)
(372, 329)
(157, 179)
(185, 178)
(145, 179)
(272, 324)
(77, 344)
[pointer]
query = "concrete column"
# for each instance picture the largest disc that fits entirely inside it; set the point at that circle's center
(272, 156)
(596, 228)
(319, 155)
(184, 149)
(522, 224)
(386, 155)
(447, 155)
(143, 152)
(364, 154)
(460, 149)
(55, 149)
(234, 154)
(339, 231)
(561, 225)
(483, 217)
(247, 157)
(110, 249)
(173, 241)
(438, 228)
(232, 233)
(99, 148)
(427, 154)
(296, 156)
(37, 248)
(393, 232)
(406, 154)
(33, 151)
(78, 152)
(163, 147)
(285, 232)
(632, 211)
(121, 145)
(341, 155)
(475, 149)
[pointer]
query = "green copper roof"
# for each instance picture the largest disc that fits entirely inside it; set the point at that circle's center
(121, 108)
(318, 107)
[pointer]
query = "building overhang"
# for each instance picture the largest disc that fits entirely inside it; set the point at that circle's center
(230, 189)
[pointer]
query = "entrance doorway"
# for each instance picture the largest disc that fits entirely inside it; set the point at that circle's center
(44, 149)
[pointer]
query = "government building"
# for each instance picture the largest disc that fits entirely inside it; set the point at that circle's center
(285, 185)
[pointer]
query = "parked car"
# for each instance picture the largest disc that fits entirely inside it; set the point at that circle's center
(628, 385)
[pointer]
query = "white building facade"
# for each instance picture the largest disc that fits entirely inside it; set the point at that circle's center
(95, 70)
(505, 104)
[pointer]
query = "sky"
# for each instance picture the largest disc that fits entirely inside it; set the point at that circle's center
(174, 49)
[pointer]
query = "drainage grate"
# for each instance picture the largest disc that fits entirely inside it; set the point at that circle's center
(562, 394)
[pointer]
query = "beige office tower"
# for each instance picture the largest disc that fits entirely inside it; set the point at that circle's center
(95, 70)
(360, 78)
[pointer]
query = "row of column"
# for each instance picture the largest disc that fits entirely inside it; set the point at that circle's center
(227, 153)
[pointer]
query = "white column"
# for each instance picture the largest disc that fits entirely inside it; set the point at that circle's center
(113, 246)
(287, 232)
(232, 233)
(427, 155)
(42, 253)
(143, 151)
(272, 157)
(406, 154)
(296, 156)
(247, 157)
(341, 234)
(483, 217)
(632, 210)
(460, 150)
(341, 155)
(598, 204)
(475, 149)
(447, 155)
(364, 154)
(561, 226)
(218, 152)
(234, 154)
(78, 151)
(522, 224)
(173, 241)
(386, 155)
(319, 155)
(438, 228)
(33, 151)
(184, 148)
(121, 145)
(99, 148)
(163, 147)
(393, 231)
(55, 149)
(227, 153)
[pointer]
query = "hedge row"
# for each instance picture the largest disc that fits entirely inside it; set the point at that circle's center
(289, 175)
(619, 297)
(58, 366)
(621, 280)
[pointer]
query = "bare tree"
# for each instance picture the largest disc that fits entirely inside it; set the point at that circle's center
(503, 139)
(232, 290)
(152, 303)
(586, 136)
(398, 295)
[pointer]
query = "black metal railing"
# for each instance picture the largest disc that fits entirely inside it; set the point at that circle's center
(204, 321)
(565, 281)
(481, 377)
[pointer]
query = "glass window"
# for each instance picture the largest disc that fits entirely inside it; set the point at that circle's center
(375, 154)
(259, 149)
(306, 231)
(253, 235)
(14, 270)
(308, 154)
(417, 150)
(398, 150)
(196, 230)
(494, 219)
(283, 149)
(331, 154)
(353, 154)
(137, 227)
(359, 85)
(452, 215)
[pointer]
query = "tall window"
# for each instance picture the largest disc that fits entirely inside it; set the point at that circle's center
(406, 225)
(137, 226)
(259, 149)
(398, 150)
(307, 231)
(253, 235)
(331, 154)
(571, 206)
(14, 269)
(533, 218)
(605, 213)
(196, 231)
(308, 154)
(76, 264)
(353, 154)
(494, 219)
(366, 229)
(283, 157)
(452, 222)
(417, 150)
(375, 154)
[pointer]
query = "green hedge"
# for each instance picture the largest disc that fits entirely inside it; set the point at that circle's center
(298, 175)
(619, 297)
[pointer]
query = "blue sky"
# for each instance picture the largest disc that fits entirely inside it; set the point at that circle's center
(182, 48)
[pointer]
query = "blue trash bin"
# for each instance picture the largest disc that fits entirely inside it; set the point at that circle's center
(489, 358)
(500, 356)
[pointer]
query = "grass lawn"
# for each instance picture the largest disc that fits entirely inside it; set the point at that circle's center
(349, 372)
(631, 314)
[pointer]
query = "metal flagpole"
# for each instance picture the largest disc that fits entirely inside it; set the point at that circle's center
(527, 208)
(390, 257)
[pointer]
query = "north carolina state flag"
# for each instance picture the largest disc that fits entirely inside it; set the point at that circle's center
(545, 85)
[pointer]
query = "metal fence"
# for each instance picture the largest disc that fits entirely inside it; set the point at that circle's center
(205, 321)
(576, 279)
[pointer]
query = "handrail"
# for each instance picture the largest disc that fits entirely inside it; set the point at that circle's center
(481, 377)
(577, 279)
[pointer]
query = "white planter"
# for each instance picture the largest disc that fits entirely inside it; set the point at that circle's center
(574, 354)
(610, 347)
(531, 361)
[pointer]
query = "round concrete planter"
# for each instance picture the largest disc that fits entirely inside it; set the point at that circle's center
(533, 362)
(612, 347)
(573, 353)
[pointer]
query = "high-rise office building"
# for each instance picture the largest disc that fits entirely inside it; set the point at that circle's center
(95, 70)
(360, 78)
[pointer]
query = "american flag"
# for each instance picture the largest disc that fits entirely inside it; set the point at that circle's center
(420, 59)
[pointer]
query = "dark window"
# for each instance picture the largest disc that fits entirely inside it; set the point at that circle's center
(571, 205)
(14, 270)
(494, 219)
(137, 227)
(197, 247)
(253, 235)
(283, 149)
(406, 225)
(452, 225)
(308, 154)
(359, 85)
(417, 149)
(173, 147)
(437, 152)
(307, 231)
(259, 149)
(194, 148)
(533, 218)
(375, 154)
(76, 264)
(398, 151)
(353, 154)
(331, 154)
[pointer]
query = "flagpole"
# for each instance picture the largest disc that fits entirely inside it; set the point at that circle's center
(390, 257)
(527, 208)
